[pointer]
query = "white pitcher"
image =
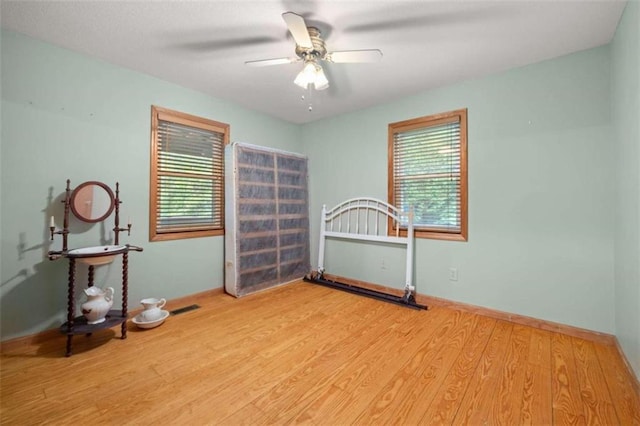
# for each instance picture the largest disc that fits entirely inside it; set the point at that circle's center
(152, 309)
(98, 303)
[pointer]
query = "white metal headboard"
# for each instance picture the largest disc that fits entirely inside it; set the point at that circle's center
(367, 219)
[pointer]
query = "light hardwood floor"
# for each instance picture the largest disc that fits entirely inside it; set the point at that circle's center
(303, 353)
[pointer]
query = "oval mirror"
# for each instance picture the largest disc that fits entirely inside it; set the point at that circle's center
(92, 201)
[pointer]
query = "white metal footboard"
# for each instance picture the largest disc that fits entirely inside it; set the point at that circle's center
(367, 219)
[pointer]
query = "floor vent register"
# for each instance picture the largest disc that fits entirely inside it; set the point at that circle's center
(184, 309)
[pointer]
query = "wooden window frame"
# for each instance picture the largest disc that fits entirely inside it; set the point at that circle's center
(164, 114)
(460, 116)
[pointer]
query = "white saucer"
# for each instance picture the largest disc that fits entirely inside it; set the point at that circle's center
(150, 324)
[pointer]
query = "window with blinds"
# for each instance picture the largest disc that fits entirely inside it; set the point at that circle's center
(187, 169)
(428, 173)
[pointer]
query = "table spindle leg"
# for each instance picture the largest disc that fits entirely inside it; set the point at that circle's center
(125, 295)
(70, 304)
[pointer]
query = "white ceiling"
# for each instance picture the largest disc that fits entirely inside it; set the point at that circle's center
(203, 44)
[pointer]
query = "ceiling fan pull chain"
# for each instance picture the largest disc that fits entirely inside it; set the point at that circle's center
(308, 98)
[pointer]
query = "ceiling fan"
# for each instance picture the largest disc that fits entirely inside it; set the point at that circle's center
(310, 49)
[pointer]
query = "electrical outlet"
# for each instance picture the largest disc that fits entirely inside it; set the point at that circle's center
(453, 274)
(383, 266)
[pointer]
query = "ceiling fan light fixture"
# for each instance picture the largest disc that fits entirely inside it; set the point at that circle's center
(321, 81)
(312, 73)
(307, 75)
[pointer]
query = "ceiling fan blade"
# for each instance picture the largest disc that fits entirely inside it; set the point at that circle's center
(354, 56)
(414, 16)
(269, 62)
(232, 43)
(298, 29)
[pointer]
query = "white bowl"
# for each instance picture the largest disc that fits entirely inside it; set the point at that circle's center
(96, 251)
(137, 320)
(95, 256)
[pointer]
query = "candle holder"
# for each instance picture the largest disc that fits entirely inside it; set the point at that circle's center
(128, 229)
(59, 232)
(117, 229)
(65, 230)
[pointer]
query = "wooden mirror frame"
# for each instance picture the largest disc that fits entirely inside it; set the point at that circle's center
(77, 191)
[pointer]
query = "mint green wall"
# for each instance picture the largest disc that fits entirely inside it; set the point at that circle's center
(626, 116)
(540, 191)
(66, 115)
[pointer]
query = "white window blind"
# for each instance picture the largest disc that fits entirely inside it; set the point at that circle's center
(189, 170)
(428, 174)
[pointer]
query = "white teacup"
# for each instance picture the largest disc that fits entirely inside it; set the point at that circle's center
(152, 309)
